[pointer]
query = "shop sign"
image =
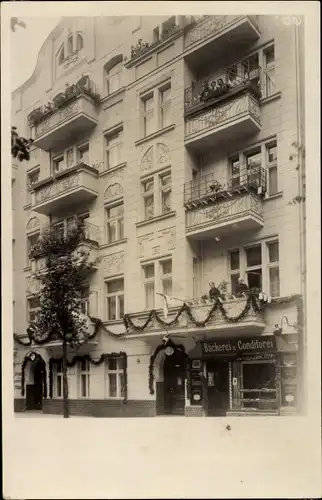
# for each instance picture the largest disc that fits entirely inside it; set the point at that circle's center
(235, 345)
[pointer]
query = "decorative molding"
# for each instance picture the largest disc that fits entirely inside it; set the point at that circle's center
(156, 156)
(157, 243)
(32, 286)
(155, 134)
(33, 223)
(113, 190)
(113, 264)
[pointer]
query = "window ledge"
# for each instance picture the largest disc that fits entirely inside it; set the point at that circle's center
(155, 219)
(27, 206)
(27, 268)
(113, 322)
(155, 134)
(114, 243)
(106, 98)
(273, 196)
(113, 169)
(270, 98)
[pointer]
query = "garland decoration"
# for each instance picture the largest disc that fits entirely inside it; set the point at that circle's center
(95, 362)
(251, 301)
(159, 348)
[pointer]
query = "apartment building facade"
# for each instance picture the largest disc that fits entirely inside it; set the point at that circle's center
(178, 140)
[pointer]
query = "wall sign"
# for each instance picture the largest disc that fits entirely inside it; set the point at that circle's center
(235, 345)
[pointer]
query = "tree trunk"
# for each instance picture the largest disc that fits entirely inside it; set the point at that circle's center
(65, 380)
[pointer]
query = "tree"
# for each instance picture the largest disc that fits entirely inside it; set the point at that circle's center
(20, 146)
(61, 285)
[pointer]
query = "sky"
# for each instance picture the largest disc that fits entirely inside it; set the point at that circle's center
(25, 46)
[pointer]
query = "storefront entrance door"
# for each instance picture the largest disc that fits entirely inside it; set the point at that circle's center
(218, 388)
(34, 392)
(174, 380)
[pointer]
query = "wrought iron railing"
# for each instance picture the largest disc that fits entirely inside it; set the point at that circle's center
(252, 178)
(221, 114)
(209, 25)
(224, 82)
(225, 210)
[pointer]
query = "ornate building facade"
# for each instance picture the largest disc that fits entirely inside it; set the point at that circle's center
(180, 142)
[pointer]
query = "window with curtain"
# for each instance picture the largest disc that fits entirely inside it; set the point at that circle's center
(114, 382)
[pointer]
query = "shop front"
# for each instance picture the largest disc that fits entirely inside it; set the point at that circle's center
(246, 376)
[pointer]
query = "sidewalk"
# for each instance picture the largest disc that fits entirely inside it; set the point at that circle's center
(44, 415)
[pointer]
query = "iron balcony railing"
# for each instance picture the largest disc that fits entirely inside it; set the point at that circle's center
(223, 83)
(210, 25)
(225, 113)
(253, 178)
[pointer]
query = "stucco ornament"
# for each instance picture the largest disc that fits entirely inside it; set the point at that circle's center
(113, 190)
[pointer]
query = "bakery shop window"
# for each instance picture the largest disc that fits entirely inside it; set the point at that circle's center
(258, 385)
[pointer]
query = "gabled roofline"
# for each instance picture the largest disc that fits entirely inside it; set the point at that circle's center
(53, 34)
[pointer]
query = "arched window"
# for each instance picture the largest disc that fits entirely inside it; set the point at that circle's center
(79, 42)
(113, 74)
(61, 55)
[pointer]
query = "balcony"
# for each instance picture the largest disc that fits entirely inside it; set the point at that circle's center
(185, 328)
(222, 85)
(89, 246)
(214, 210)
(214, 34)
(232, 120)
(73, 112)
(75, 185)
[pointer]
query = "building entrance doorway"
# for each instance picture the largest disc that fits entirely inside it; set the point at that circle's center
(218, 388)
(174, 383)
(35, 375)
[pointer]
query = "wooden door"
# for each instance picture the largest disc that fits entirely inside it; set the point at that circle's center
(174, 385)
(218, 388)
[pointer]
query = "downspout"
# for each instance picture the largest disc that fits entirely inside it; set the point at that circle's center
(301, 216)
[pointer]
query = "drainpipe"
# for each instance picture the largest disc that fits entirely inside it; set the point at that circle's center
(301, 217)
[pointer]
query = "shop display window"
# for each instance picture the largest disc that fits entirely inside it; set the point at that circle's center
(257, 385)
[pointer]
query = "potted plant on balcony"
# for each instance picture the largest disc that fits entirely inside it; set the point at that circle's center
(139, 48)
(59, 100)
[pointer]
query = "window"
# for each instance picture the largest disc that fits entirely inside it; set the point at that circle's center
(83, 154)
(196, 275)
(254, 266)
(58, 379)
(115, 299)
(168, 25)
(115, 223)
(166, 277)
(258, 385)
(256, 167)
(165, 107)
(70, 44)
(269, 71)
(58, 164)
(84, 301)
(84, 378)
(149, 286)
(114, 381)
(148, 197)
(148, 114)
(273, 269)
(234, 270)
(235, 172)
(33, 308)
(70, 157)
(114, 149)
(79, 42)
(32, 240)
(114, 78)
(271, 157)
(165, 186)
(61, 56)
(32, 178)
